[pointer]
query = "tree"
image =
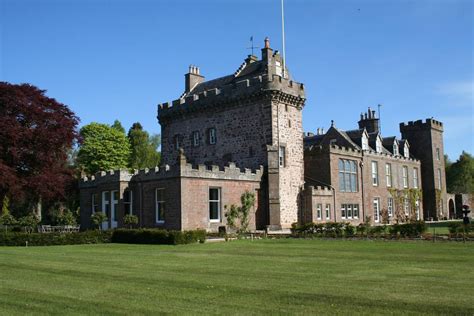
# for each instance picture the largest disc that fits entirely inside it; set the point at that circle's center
(144, 147)
(103, 148)
(118, 126)
(460, 174)
(36, 133)
(130, 220)
(98, 218)
(241, 213)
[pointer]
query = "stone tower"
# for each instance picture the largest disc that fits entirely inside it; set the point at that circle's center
(252, 117)
(426, 144)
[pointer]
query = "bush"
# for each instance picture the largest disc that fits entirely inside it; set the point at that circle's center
(413, 229)
(50, 239)
(158, 236)
(349, 230)
(130, 220)
(460, 228)
(65, 219)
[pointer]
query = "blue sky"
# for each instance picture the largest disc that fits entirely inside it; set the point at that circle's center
(118, 59)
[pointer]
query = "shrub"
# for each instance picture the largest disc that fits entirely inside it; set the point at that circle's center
(130, 220)
(412, 229)
(7, 220)
(28, 222)
(66, 218)
(50, 239)
(98, 218)
(158, 236)
(378, 231)
(349, 230)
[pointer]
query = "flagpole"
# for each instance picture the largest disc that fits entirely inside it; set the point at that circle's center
(283, 37)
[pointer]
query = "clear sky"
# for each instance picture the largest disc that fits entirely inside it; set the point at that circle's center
(118, 59)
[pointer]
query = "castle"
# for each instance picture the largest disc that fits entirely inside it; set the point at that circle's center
(243, 132)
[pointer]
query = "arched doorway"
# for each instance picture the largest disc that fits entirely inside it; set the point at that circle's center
(452, 209)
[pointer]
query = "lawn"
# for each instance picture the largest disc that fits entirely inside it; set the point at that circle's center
(440, 227)
(285, 276)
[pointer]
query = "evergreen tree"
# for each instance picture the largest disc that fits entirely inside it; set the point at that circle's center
(460, 174)
(118, 126)
(144, 147)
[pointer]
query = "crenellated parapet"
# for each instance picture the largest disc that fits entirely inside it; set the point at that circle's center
(230, 172)
(274, 86)
(421, 125)
(319, 191)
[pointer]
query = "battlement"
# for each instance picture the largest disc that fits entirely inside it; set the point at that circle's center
(230, 172)
(391, 156)
(422, 125)
(234, 92)
(319, 190)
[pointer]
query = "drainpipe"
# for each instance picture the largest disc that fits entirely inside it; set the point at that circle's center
(361, 164)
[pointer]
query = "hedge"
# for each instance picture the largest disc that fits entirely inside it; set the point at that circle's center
(51, 239)
(340, 229)
(158, 236)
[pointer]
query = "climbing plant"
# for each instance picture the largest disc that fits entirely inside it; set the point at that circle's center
(238, 217)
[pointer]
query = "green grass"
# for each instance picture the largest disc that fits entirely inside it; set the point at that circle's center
(439, 227)
(284, 276)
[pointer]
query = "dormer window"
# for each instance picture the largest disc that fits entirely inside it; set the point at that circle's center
(378, 145)
(395, 149)
(406, 152)
(365, 142)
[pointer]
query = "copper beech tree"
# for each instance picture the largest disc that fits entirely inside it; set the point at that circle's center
(36, 133)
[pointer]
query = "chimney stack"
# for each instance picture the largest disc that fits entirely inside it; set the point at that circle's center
(192, 78)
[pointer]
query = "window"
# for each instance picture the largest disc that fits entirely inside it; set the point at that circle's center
(115, 200)
(417, 206)
(355, 209)
(376, 210)
(415, 178)
(106, 203)
(437, 154)
(348, 211)
(439, 179)
(196, 139)
(378, 145)
(214, 204)
(319, 210)
(388, 174)
(160, 205)
(328, 211)
(289, 123)
(390, 207)
(406, 206)
(281, 156)
(395, 149)
(177, 141)
(94, 203)
(405, 176)
(365, 142)
(347, 175)
(128, 202)
(375, 173)
(406, 152)
(212, 136)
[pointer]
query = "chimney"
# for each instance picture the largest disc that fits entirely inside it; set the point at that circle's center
(192, 78)
(266, 50)
(370, 122)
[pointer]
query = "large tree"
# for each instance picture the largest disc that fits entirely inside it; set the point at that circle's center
(36, 134)
(460, 174)
(144, 147)
(103, 148)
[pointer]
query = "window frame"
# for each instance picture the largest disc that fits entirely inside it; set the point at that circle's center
(405, 176)
(376, 207)
(196, 139)
(160, 206)
(328, 211)
(319, 211)
(388, 175)
(375, 173)
(348, 177)
(128, 204)
(282, 156)
(212, 136)
(415, 178)
(94, 202)
(219, 204)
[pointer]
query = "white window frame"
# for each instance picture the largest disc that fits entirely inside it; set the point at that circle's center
(390, 207)
(395, 149)
(405, 176)
(319, 211)
(378, 145)
(355, 211)
(106, 208)
(406, 151)
(281, 156)
(343, 211)
(417, 206)
(406, 206)
(212, 136)
(160, 205)
(328, 211)
(348, 177)
(388, 174)
(376, 206)
(349, 211)
(375, 173)
(114, 203)
(415, 178)
(219, 204)
(365, 142)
